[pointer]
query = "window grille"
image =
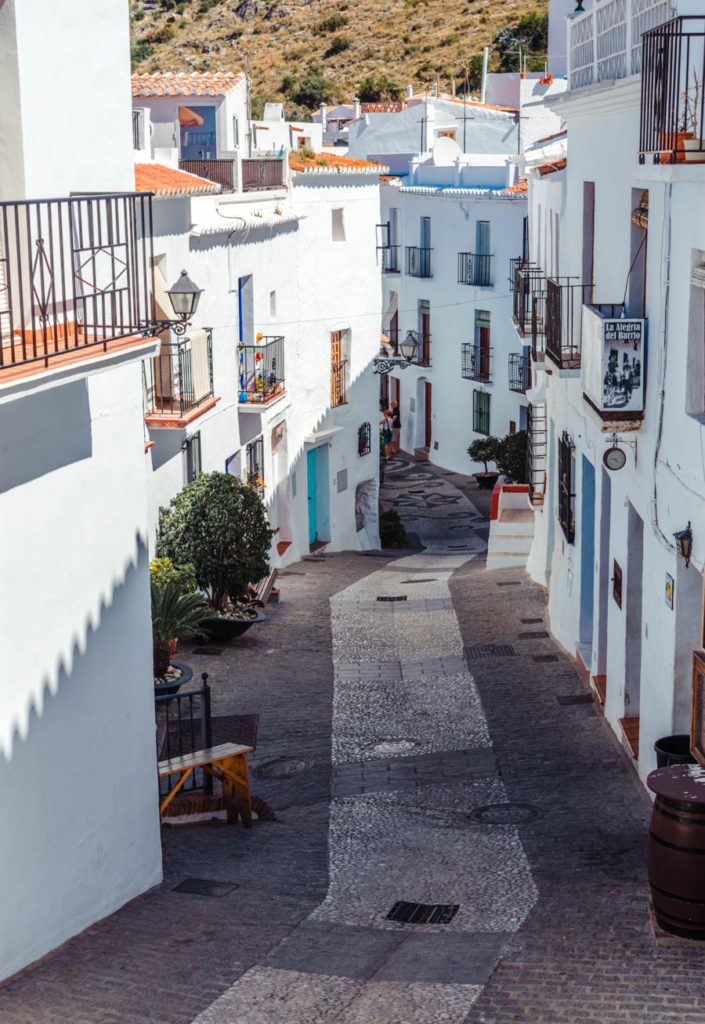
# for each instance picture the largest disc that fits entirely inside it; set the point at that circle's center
(192, 448)
(566, 495)
(254, 460)
(481, 412)
(364, 439)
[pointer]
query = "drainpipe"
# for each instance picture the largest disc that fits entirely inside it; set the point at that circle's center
(485, 61)
(663, 539)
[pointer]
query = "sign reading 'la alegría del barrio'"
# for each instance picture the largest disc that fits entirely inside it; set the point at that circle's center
(613, 361)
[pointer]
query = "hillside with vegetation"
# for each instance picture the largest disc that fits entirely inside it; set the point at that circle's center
(303, 52)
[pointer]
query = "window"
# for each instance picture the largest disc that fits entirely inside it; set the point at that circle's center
(446, 133)
(617, 583)
(525, 241)
(138, 129)
(246, 312)
(192, 451)
(337, 370)
(482, 254)
(338, 226)
(566, 495)
(272, 304)
(481, 412)
(254, 461)
(637, 257)
(483, 350)
(588, 231)
(364, 439)
(512, 427)
(236, 133)
(424, 319)
(384, 391)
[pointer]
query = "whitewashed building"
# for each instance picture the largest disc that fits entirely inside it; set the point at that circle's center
(280, 351)
(617, 268)
(78, 795)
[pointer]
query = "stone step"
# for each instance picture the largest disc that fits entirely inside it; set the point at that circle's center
(505, 560)
(421, 454)
(509, 544)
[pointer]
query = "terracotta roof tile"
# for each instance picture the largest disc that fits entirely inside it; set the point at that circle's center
(390, 107)
(557, 165)
(521, 187)
(193, 83)
(168, 183)
(326, 162)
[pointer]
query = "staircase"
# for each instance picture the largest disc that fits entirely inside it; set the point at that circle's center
(511, 527)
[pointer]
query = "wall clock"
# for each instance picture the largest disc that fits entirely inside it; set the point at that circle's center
(614, 458)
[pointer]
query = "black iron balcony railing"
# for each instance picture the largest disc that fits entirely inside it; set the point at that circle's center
(418, 261)
(672, 123)
(180, 378)
(338, 391)
(538, 325)
(519, 372)
(254, 460)
(423, 354)
(528, 281)
(536, 447)
(220, 172)
(563, 314)
(476, 362)
(389, 258)
(262, 173)
(566, 494)
(475, 268)
(261, 370)
(74, 274)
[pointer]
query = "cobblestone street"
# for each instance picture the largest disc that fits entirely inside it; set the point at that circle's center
(420, 767)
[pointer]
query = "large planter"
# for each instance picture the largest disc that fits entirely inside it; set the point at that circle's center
(486, 480)
(169, 687)
(221, 629)
(673, 750)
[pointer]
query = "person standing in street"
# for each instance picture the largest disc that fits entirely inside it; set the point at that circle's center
(396, 427)
(386, 425)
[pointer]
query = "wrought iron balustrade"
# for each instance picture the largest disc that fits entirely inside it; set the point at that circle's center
(181, 376)
(536, 448)
(538, 325)
(418, 261)
(476, 362)
(220, 172)
(184, 725)
(475, 268)
(338, 390)
(519, 372)
(74, 274)
(262, 173)
(389, 258)
(605, 42)
(563, 313)
(672, 123)
(528, 281)
(261, 370)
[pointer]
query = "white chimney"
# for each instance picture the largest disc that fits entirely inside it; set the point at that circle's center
(485, 59)
(322, 110)
(409, 91)
(356, 108)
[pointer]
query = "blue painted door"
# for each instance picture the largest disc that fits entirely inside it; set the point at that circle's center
(311, 476)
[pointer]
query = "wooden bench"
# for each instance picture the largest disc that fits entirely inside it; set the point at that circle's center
(264, 588)
(227, 762)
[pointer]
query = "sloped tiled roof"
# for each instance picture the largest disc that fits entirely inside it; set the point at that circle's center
(557, 165)
(390, 107)
(521, 187)
(168, 183)
(183, 83)
(327, 162)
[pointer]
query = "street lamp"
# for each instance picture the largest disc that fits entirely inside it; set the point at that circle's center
(684, 543)
(184, 296)
(409, 347)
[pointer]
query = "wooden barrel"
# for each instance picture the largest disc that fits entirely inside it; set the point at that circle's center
(676, 849)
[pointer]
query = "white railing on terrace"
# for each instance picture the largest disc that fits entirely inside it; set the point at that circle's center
(604, 43)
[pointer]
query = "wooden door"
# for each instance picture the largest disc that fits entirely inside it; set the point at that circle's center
(426, 339)
(427, 409)
(395, 389)
(336, 369)
(312, 495)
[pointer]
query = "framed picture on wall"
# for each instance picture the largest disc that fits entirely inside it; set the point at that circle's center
(669, 591)
(697, 712)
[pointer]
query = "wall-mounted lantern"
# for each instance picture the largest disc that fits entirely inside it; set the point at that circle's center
(409, 349)
(184, 296)
(684, 543)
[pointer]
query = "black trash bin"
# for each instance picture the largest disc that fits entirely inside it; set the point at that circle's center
(672, 750)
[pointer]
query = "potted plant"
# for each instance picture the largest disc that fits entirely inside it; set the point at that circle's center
(484, 450)
(174, 613)
(219, 526)
(511, 457)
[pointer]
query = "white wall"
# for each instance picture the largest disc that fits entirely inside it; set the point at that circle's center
(78, 759)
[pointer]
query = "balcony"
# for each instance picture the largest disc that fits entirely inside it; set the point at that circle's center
(672, 124)
(528, 281)
(178, 382)
(261, 371)
(475, 269)
(613, 362)
(74, 280)
(605, 42)
(536, 448)
(389, 258)
(222, 172)
(519, 372)
(476, 363)
(261, 173)
(563, 309)
(418, 261)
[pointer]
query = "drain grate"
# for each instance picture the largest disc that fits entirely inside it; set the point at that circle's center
(543, 659)
(423, 913)
(537, 634)
(489, 651)
(527, 622)
(212, 652)
(283, 768)
(431, 579)
(506, 814)
(204, 887)
(567, 699)
(403, 598)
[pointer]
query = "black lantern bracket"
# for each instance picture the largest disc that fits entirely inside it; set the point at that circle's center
(184, 296)
(684, 543)
(384, 365)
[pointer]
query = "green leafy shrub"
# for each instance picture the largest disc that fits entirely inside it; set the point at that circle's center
(391, 530)
(511, 457)
(163, 571)
(332, 23)
(337, 45)
(140, 49)
(173, 615)
(377, 89)
(162, 35)
(485, 449)
(219, 526)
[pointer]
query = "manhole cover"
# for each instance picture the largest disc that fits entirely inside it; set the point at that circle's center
(489, 651)
(283, 768)
(391, 746)
(505, 814)
(423, 913)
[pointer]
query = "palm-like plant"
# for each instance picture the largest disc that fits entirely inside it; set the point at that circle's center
(173, 614)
